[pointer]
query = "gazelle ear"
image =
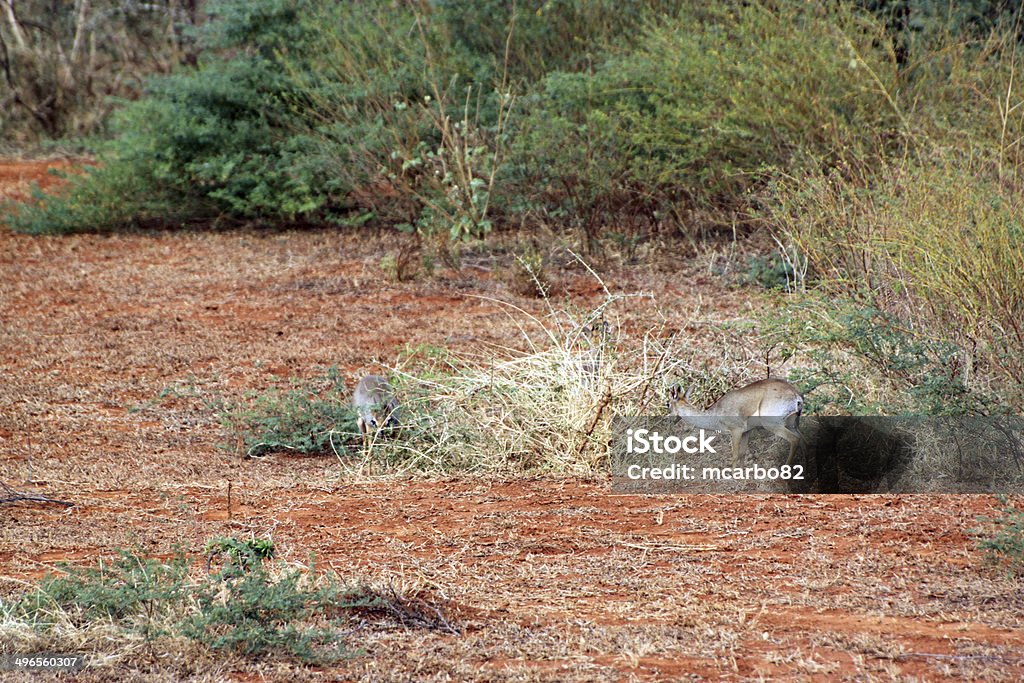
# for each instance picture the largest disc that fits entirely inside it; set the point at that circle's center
(689, 392)
(673, 393)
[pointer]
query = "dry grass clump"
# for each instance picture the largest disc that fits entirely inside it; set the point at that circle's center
(547, 409)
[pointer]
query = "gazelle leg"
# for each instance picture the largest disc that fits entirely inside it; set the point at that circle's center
(739, 447)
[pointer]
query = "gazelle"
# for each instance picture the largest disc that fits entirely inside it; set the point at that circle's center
(375, 403)
(773, 404)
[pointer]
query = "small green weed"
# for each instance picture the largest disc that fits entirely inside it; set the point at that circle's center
(251, 607)
(1004, 544)
(240, 554)
(770, 272)
(299, 420)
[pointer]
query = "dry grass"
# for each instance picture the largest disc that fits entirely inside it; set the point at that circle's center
(544, 409)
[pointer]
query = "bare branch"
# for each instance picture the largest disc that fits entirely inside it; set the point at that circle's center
(12, 20)
(14, 496)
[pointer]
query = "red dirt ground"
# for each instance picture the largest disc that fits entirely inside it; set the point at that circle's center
(549, 579)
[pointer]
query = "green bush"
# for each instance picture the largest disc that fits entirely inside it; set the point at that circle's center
(220, 139)
(706, 105)
(314, 110)
(857, 359)
(446, 118)
(240, 555)
(1003, 540)
(546, 35)
(249, 607)
(296, 420)
(938, 246)
(132, 589)
(243, 608)
(114, 195)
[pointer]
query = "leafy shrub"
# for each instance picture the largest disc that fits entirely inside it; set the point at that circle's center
(143, 592)
(109, 196)
(1003, 542)
(705, 104)
(297, 420)
(250, 607)
(240, 554)
(940, 246)
(244, 610)
(217, 139)
(770, 272)
(861, 360)
(546, 35)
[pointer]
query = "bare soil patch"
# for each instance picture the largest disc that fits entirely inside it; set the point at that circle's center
(549, 579)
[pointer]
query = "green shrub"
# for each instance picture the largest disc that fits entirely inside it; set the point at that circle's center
(141, 592)
(770, 272)
(219, 139)
(116, 194)
(296, 420)
(247, 607)
(938, 246)
(241, 555)
(242, 609)
(546, 35)
(406, 127)
(706, 104)
(417, 102)
(857, 359)
(250, 607)
(1003, 541)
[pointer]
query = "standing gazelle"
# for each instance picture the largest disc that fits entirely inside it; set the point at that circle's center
(376, 405)
(773, 404)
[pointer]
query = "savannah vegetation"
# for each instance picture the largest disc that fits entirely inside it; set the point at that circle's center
(877, 145)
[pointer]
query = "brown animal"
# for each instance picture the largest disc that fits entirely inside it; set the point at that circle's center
(772, 404)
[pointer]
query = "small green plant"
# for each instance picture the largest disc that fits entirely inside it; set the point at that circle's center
(243, 609)
(298, 420)
(1003, 541)
(240, 554)
(143, 594)
(770, 272)
(250, 607)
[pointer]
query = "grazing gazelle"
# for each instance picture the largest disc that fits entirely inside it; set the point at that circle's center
(773, 404)
(375, 403)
